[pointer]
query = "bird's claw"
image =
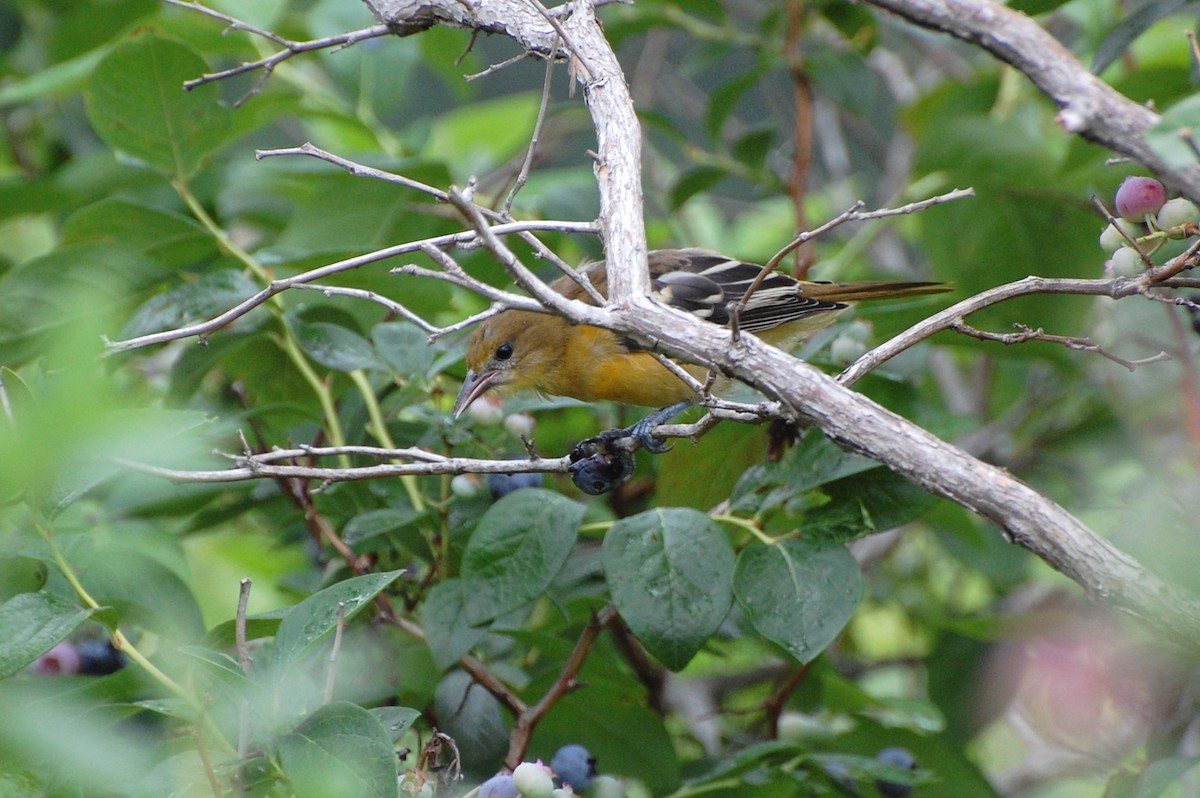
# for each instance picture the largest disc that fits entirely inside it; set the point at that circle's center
(600, 464)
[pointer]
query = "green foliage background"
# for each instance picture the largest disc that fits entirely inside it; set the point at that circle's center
(128, 206)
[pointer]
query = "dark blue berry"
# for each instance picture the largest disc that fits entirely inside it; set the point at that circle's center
(840, 775)
(601, 472)
(900, 758)
(575, 765)
(499, 786)
(99, 658)
(500, 485)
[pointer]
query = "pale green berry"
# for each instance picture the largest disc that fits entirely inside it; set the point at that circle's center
(486, 410)
(605, 786)
(846, 349)
(1177, 212)
(465, 486)
(1125, 262)
(519, 424)
(1111, 239)
(533, 780)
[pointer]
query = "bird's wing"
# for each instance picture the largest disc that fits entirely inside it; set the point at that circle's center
(706, 284)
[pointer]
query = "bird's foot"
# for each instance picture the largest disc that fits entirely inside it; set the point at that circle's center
(600, 464)
(643, 431)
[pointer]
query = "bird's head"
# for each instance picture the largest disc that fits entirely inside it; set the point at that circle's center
(512, 351)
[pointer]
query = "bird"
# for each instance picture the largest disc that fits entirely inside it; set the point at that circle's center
(519, 350)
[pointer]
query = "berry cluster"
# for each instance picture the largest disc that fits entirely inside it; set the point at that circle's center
(1148, 218)
(89, 657)
(572, 771)
(899, 758)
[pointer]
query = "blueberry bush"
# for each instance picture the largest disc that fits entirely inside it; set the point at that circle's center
(246, 550)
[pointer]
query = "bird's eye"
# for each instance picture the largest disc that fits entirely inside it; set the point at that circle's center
(504, 351)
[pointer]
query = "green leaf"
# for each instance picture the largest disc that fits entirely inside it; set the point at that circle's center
(1122, 37)
(618, 728)
(873, 501)
(171, 239)
(191, 302)
(693, 182)
(471, 715)
(1164, 137)
(141, 589)
(33, 623)
(669, 574)
(724, 99)
(520, 543)
(137, 104)
(341, 749)
(403, 347)
(335, 346)
(378, 522)
(448, 633)
(1155, 779)
(396, 720)
(20, 575)
(798, 593)
(317, 615)
(52, 81)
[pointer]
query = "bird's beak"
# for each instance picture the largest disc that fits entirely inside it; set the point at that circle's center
(474, 386)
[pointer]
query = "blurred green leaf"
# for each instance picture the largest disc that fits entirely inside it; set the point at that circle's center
(20, 575)
(693, 182)
(669, 573)
(1166, 138)
(317, 615)
(33, 623)
(1122, 37)
(798, 593)
(152, 118)
(341, 749)
(518, 546)
(1155, 779)
(396, 720)
(52, 81)
(191, 302)
(169, 238)
(142, 590)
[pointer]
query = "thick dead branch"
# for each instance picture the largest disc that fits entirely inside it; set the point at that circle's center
(808, 396)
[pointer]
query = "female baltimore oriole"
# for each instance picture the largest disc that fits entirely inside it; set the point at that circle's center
(522, 350)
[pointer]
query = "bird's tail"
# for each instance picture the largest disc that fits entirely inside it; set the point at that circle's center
(869, 289)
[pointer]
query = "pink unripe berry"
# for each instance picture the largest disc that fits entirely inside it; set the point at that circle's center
(1139, 197)
(62, 660)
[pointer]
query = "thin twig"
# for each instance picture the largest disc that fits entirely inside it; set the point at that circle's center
(353, 167)
(268, 64)
(331, 674)
(521, 56)
(558, 28)
(205, 328)
(852, 214)
(518, 739)
(1025, 333)
(527, 164)
(1116, 288)
(371, 296)
(243, 654)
